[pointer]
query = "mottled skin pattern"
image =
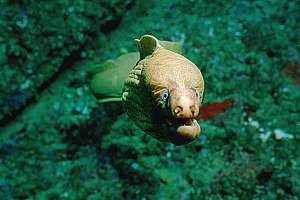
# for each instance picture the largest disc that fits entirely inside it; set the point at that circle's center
(163, 92)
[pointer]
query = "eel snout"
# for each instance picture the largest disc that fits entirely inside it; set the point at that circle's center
(185, 108)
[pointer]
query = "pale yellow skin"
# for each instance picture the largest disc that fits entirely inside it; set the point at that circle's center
(107, 79)
(161, 70)
(141, 79)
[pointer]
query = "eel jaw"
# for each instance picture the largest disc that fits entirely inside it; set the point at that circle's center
(187, 130)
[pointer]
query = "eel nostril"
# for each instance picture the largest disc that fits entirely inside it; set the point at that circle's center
(193, 109)
(177, 110)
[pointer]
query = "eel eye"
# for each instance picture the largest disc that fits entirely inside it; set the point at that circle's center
(198, 95)
(165, 95)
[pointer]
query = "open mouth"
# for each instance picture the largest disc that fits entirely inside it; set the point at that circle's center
(181, 122)
(186, 130)
(184, 121)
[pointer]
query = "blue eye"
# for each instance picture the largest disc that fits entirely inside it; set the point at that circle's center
(165, 95)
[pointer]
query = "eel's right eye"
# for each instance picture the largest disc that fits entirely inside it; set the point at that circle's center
(165, 95)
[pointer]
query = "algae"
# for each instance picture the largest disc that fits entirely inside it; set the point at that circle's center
(41, 39)
(65, 146)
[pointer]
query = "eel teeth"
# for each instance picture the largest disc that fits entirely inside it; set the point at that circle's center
(184, 121)
(181, 122)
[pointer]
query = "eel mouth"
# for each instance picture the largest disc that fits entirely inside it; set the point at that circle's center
(184, 121)
(181, 121)
(187, 130)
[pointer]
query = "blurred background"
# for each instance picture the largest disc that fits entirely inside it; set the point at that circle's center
(57, 143)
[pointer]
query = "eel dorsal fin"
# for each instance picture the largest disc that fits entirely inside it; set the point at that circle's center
(147, 44)
(107, 79)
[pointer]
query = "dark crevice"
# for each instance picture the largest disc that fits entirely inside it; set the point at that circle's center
(110, 25)
(265, 175)
(68, 62)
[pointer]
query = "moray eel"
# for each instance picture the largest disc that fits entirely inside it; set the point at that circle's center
(161, 90)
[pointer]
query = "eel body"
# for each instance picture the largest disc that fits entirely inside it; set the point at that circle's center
(161, 90)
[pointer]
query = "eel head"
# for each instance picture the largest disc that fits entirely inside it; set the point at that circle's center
(176, 113)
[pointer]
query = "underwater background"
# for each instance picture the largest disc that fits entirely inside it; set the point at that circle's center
(56, 142)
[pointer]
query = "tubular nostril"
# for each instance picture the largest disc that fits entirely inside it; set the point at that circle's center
(177, 110)
(193, 109)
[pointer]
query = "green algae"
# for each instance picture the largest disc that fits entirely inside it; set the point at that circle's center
(41, 39)
(65, 146)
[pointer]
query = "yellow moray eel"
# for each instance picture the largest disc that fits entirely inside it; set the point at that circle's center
(161, 90)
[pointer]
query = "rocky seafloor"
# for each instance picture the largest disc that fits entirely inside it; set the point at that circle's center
(57, 143)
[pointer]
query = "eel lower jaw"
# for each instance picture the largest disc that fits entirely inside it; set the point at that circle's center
(187, 129)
